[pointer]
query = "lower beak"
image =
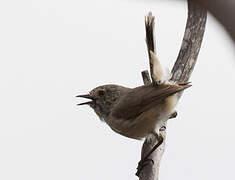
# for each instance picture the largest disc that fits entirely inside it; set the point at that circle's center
(87, 96)
(89, 102)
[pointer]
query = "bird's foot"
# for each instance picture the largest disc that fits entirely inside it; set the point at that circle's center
(163, 128)
(173, 115)
(143, 162)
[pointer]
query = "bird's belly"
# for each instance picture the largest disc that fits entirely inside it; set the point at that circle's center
(145, 123)
(140, 127)
(148, 122)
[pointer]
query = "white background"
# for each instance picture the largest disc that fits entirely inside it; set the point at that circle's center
(53, 50)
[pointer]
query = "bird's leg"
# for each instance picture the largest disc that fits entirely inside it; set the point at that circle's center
(163, 128)
(143, 162)
(173, 115)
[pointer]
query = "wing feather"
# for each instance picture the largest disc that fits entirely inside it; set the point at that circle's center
(130, 106)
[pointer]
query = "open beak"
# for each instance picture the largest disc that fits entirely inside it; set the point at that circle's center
(87, 96)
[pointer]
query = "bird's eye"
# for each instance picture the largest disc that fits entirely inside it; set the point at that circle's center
(101, 92)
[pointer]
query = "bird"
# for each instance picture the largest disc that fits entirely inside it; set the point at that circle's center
(137, 112)
(134, 112)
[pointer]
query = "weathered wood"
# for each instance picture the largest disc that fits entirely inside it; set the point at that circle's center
(146, 78)
(191, 43)
(181, 73)
(223, 11)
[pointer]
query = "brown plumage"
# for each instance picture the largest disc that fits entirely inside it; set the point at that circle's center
(130, 106)
(136, 112)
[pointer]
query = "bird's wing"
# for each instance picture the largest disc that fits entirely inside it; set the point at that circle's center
(131, 106)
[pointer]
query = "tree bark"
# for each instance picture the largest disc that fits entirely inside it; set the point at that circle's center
(223, 11)
(180, 73)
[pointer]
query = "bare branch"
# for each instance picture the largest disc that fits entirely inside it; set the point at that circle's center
(181, 72)
(146, 78)
(191, 43)
(223, 10)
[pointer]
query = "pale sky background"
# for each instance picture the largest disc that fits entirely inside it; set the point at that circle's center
(53, 50)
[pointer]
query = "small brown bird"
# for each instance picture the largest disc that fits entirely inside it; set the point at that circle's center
(137, 112)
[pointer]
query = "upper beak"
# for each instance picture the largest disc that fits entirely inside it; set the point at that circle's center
(88, 96)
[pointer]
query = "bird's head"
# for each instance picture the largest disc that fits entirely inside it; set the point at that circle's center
(103, 99)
